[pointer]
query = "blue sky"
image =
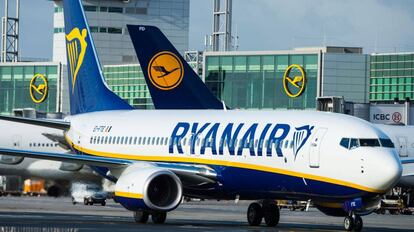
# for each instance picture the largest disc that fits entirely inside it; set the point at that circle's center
(376, 25)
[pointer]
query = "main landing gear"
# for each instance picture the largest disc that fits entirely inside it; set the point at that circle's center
(353, 222)
(143, 216)
(269, 211)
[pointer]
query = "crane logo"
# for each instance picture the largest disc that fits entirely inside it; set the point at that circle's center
(38, 88)
(294, 81)
(76, 48)
(165, 71)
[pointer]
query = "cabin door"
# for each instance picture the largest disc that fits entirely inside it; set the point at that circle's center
(402, 146)
(314, 151)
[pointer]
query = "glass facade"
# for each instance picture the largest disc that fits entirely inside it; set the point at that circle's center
(392, 76)
(128, 82)
(15, 87)
(256, 81)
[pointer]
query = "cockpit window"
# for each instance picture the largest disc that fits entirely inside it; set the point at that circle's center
(354, 144)
(387, 143)
(344, 142)
(351, 143)
(369, 143)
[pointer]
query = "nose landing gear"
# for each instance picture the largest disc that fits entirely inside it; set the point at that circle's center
(353, 223)
(267, 210)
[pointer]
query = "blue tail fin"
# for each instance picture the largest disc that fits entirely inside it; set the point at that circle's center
(173, 84)
(88, 90)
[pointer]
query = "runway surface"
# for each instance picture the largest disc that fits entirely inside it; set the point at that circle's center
(59, 215)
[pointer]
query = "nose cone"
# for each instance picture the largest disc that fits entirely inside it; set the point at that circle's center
(388, 169)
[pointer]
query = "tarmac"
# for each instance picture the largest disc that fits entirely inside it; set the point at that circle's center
(46, 214)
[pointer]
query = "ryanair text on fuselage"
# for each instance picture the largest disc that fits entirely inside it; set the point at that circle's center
(271, 135)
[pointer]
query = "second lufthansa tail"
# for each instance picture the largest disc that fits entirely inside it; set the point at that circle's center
(173, 84)
(88, 90)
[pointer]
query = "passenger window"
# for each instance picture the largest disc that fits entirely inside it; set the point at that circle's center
(153, 141)
(135, 140)
(291, 144)
(354, 144)
(166, 141)
(130, 140)
(139, 140)
(286, 144)
(344, 143)
(89, 141)
(143, 140)
(110, 140)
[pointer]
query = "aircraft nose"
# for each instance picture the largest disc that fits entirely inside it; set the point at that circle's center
(390, 169)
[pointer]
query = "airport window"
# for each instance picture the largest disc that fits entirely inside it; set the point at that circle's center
(354, 144)
(369, 142)
(90, 8)
(115, 10)
(387, 143)
(114, 30)
(344, 142)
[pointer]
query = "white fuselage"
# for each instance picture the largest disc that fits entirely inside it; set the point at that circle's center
(170, 137)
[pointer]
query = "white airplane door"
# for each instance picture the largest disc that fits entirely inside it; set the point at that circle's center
(314, 151)
(402, 146)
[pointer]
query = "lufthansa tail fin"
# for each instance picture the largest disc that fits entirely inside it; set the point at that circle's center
(88, 90)
(173, 84)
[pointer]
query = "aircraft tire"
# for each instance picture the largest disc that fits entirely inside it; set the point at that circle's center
(358, 223)
(159, 217)
(271, 214)
(141, 217)
(254, 214)
(348, 223)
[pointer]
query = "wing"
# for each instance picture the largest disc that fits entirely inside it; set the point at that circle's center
(192, 176)
(62, 125)
(66, 157)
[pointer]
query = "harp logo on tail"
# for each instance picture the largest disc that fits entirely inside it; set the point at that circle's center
(76, 48)
(300, 137)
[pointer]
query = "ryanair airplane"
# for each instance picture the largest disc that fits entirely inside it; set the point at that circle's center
(193, 94)
(341, 163)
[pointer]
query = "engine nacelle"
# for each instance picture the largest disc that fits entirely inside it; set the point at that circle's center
(149, 188)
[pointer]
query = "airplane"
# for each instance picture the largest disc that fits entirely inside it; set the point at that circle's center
(155, 157)
(31, 137)
(189, 92)
(402, 137)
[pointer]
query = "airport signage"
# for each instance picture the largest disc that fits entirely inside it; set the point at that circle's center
(387, 114)
(294, 85)
(38, 88)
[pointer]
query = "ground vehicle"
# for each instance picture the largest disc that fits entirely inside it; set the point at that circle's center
(81, 190)
(99, 197)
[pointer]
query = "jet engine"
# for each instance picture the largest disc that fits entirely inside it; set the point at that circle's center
(149, 188)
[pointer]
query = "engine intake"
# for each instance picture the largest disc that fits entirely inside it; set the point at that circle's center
(149, 188)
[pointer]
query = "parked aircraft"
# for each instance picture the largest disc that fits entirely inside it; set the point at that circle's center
(342, 163)
(30, 137)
